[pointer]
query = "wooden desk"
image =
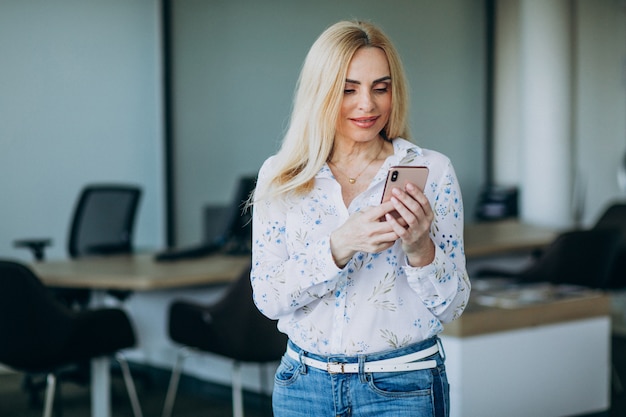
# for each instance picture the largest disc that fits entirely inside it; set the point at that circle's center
(140, 272)
(134, 273)
(493, 238)
(544, 359)
(478, 320)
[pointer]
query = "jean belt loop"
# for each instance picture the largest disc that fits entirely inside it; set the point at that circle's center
(303, 366)
(442, 352)
(362, 375)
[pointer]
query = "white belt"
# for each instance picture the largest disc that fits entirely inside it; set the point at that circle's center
(399, 364)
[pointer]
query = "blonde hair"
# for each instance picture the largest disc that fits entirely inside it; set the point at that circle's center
(319, 92)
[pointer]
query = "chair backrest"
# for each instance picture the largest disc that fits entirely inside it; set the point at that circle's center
(614, 217)
(255, 336)
(581, 257)
(104, 220)
(238, 225)
(232, 327)
(38, 333)
(31, 320)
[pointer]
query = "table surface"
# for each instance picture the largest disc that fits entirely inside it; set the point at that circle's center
(140, 272)
(493, 238)
(479, 319)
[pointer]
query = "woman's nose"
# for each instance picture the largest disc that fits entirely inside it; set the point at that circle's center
(366, 103)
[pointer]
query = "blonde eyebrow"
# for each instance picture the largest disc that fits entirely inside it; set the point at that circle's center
(380, 80)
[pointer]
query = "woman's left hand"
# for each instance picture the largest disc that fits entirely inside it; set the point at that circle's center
(415, 209)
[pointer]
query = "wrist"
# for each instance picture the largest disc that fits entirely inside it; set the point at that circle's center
(338, 251)
(422, 257)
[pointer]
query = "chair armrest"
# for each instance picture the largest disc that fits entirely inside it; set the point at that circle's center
(37, 246)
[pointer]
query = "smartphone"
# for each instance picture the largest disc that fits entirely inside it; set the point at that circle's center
(399, 176)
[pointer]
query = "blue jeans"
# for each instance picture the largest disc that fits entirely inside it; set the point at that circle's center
(304, 391)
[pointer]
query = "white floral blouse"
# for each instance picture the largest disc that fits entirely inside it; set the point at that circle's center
(376, 302)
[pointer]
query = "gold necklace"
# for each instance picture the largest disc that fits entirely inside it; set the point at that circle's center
(352, 180)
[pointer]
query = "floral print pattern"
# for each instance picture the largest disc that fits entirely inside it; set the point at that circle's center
(377, 301)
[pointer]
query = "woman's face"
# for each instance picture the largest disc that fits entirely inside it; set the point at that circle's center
(366, 103)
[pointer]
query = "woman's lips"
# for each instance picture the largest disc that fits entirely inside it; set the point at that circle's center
(365, 122)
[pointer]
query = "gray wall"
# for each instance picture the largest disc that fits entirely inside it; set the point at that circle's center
(600, 105)
(597, 106)
(236, 64)
(80, 102)
(80, 98)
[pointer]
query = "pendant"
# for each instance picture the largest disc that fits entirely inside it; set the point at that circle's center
(351, 180)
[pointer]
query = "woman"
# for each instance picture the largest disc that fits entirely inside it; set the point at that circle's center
(362, 300)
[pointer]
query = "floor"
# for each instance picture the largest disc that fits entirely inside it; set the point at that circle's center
(196, 398)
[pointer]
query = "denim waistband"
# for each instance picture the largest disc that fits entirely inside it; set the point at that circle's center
(375, 356)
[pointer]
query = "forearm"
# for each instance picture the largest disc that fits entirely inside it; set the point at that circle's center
(287, 275)
(443, 286)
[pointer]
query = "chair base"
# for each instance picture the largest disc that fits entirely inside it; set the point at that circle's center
(182, 355)
(50, 391)
(51, 383)
(130, 385)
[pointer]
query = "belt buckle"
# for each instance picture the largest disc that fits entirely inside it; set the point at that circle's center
(330, 371)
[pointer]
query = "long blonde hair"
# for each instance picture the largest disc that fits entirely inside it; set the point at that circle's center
(319, 92)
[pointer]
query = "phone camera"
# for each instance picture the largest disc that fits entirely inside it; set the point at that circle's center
(394, 175)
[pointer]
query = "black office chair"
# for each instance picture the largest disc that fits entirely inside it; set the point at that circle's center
(580, 257)
(614, 217)
(40, 335)
(228, 228)
(103, 222)
(232, 327)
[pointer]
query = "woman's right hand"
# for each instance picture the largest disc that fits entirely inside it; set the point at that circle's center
(362, 232)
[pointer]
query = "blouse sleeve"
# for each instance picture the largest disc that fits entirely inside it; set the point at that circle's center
(444, 285)
(283, 279)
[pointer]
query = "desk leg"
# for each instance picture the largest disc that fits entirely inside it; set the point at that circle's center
(100, 387)
(100, 373)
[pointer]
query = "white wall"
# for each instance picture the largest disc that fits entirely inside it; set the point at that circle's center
(81, 99)
(236, 65)
(80, 102)
(598, 104)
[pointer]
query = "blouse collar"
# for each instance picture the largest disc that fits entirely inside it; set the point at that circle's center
(404, 152)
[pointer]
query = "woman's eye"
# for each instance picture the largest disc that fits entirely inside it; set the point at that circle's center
(348, 91)
(382, 89)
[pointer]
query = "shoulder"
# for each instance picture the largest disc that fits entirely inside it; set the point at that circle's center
(412, 154)
(268, 168)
